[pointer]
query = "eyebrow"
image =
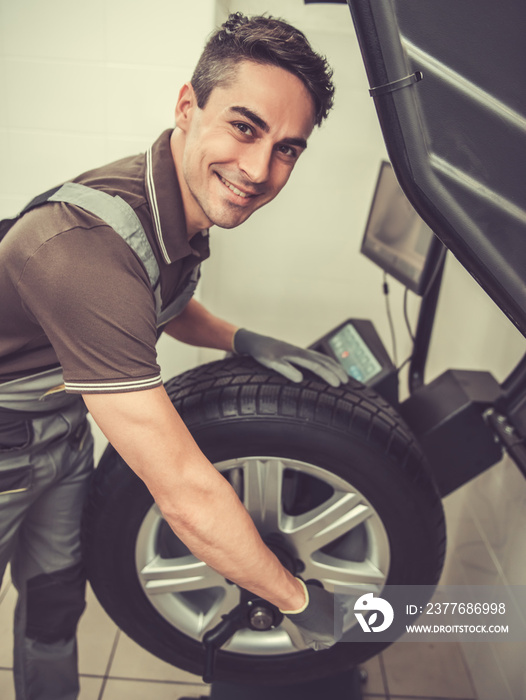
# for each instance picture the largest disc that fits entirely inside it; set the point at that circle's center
(262, 124)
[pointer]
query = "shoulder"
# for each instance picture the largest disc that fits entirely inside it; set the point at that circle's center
(57, 236)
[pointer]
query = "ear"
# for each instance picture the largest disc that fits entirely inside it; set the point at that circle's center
(185, 106)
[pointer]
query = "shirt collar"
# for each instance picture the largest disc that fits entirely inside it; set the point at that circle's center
(166, 205)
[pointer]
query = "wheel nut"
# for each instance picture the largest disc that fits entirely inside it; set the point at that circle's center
(261, 618)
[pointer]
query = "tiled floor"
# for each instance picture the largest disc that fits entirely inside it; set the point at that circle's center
(112, 667)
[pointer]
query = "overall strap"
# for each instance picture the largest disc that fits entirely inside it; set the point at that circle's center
(120, 216)
(115, 212)
(39, 199)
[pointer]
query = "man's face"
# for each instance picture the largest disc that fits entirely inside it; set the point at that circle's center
(238, 152)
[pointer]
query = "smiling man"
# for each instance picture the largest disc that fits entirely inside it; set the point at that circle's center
(91, 273)
(238, 152)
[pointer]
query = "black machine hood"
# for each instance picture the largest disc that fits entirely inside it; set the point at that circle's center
(448, 83)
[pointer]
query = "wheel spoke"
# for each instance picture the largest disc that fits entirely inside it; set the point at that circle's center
(262, 488)
(179, 575)
(324, 524)
(345, 575)
(224, 605)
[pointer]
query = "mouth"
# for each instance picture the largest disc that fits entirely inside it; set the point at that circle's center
(239, 193)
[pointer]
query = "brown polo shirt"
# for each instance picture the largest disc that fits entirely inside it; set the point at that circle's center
(74, 294)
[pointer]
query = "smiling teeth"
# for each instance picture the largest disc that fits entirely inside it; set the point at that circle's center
(234, 189)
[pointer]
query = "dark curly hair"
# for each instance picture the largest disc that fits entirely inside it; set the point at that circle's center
(264, 40)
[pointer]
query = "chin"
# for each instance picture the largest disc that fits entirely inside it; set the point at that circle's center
(228, 224)
(226, 220)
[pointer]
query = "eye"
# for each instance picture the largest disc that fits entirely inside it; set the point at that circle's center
(243, 128)
(288, 151)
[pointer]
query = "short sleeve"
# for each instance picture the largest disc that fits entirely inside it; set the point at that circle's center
(91, 296)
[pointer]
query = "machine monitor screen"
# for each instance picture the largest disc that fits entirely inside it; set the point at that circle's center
(354, 354)
(395, 237)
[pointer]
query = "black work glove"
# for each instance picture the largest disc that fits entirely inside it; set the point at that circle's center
(319, 622)
(280, 356)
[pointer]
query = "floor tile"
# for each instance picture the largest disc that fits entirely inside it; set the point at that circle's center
(132, 661)
(96, 637)
(375, 683)
(487, 673)
(90, 688)
(510, 659)
(6, 582)
(147, 690)
(7, 691)
(427, 670)
(7, 609)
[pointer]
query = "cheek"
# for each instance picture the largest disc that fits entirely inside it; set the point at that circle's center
(280, 175)
(214, 145)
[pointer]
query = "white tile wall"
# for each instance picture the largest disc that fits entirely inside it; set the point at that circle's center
(33, 161)
(59, 29)
(158, 32)
(53, 95)
(141, 98)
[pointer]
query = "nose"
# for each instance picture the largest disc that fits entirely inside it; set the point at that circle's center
(255, 162)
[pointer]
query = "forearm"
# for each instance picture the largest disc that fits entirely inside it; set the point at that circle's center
(197, 326)
(196, 501)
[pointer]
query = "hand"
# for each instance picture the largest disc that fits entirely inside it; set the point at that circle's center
(319, 623)
(281, 356)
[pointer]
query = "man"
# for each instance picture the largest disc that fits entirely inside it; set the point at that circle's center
(91, 272)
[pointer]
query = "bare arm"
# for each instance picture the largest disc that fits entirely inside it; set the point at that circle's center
(197, 326)
(197, 502)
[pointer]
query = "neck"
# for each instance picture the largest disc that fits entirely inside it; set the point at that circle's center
(196, 221)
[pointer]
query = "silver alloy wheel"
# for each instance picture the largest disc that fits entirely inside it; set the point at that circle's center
(341, 542)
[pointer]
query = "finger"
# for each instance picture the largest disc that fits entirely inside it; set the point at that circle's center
(316, 367)
(284, 368)
(329, 363)
(332, 364)
(338, 370)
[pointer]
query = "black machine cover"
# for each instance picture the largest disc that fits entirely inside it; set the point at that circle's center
(448, 82)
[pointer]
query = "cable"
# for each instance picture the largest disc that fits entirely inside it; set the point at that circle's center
(404, 363)
(390, 318)
(406, 316)
(409, 330)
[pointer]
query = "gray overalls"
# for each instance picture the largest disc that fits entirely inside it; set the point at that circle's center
(46, 459)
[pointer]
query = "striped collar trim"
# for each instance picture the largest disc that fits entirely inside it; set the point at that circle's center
(155, 207)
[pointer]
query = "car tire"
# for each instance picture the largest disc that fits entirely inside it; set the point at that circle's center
(334, 472)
